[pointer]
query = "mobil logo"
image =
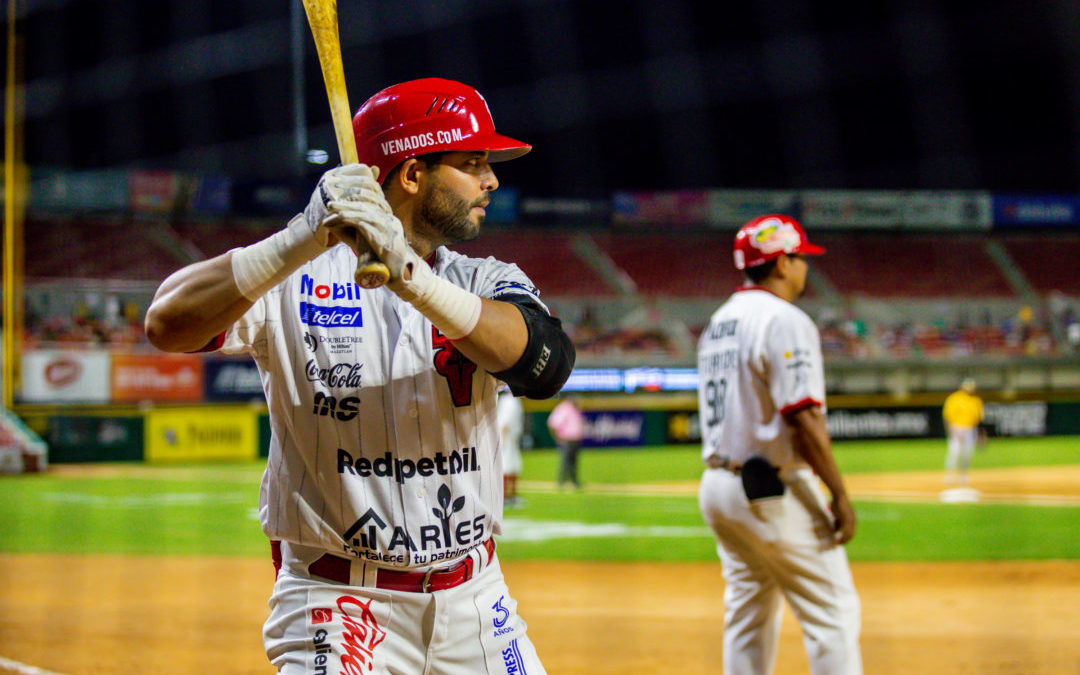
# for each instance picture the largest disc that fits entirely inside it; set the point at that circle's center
(317, 306)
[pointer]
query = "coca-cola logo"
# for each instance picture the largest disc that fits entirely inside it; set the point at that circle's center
(62, 371)
(337, 375)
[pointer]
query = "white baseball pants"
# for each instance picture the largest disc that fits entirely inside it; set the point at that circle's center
(781, 548)
(317, 628)
(961, 442)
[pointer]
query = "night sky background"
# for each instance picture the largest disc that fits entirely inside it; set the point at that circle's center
(631, 95)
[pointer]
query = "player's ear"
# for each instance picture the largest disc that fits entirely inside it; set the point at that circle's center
(410, 174)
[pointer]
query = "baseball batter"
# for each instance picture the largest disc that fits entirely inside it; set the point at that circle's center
(761, 399)
(383, 486)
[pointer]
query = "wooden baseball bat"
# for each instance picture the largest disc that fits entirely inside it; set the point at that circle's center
(322, 18)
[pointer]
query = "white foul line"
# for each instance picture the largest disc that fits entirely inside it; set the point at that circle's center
(22, 668)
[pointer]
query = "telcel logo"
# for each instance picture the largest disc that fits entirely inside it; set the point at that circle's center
(329, 316)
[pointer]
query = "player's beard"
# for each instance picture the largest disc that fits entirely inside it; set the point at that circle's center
(446, 214)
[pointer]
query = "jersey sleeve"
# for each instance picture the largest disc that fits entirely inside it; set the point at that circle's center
(248, 334)
(497, 280)
(793, 349)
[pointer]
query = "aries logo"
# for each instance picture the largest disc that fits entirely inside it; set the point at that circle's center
(343, 409)
(62, 372)
(443, 540)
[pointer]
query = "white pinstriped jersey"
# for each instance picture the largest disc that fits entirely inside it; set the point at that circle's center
(759, 358)
(384, 443)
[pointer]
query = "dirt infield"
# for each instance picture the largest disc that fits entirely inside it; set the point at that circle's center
(83, 615)
(106, 614)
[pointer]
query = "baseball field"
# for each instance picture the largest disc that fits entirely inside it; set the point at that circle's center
(163, 569)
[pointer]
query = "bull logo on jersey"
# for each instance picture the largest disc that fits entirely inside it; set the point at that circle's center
(454, 366)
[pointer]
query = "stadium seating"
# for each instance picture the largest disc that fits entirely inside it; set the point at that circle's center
(1050, 262)
(674, 263)
(892, 265)
(546, 256)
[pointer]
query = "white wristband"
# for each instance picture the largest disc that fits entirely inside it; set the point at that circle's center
(453, 310)
(265, 264)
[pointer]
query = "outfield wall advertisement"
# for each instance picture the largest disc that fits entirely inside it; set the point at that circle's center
(1027, 418)
(70, 376)
(196, 434)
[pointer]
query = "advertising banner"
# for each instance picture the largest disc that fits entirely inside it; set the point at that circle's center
(153, 191)
(196, 434)
(678, 208)
(232, 380)
(733, 208)
(565, 209)
(1028, 418)
(931, 210)
(157, 377)
(918, 209)
(850, 208)
(70, 376)
(632, 379)
(213, 194)
(265, 198)
(1038, 210)
(103, 190)
(95, 438)
(614, 428)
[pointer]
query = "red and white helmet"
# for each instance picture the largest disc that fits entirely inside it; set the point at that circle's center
(428, 115)
(768, 237)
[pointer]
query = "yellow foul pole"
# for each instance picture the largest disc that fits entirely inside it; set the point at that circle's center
(11, 243)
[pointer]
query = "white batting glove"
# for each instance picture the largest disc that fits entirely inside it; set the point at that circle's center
(452, 310)
(341, 185)
(265, 264)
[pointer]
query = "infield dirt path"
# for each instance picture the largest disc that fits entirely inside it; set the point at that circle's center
(91, 615)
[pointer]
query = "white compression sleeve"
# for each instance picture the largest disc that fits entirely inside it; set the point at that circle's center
(453, 310)
(265, 264)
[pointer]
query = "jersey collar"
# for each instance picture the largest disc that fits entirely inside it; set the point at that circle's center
(755, 287)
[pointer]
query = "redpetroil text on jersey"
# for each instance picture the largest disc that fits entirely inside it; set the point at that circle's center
(458, 461)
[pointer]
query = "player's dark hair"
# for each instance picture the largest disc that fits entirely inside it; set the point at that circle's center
(429, 159)
(758, 273)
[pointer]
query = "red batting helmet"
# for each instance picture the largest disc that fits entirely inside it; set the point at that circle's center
(768, 237)
(429, 115)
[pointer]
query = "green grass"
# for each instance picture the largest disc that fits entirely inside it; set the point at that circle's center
(210, 510)
(683, 462)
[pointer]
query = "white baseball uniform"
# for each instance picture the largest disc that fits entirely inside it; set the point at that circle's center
(384, 458)
(511, 417)
(759, 359)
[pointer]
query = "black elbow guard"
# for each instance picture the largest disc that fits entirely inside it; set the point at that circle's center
(548, 359)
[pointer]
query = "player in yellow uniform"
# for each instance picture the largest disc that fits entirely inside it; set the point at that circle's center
(963, 411)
